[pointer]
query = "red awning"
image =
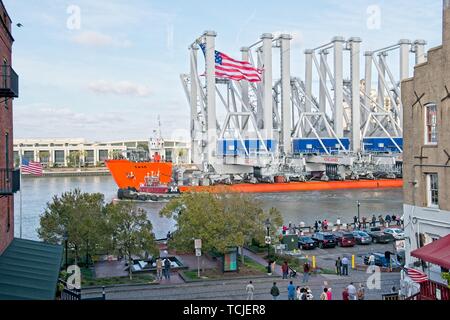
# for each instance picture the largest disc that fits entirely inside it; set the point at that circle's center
(437, 252)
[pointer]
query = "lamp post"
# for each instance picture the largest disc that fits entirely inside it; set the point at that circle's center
(66, 239)
(359, 206)
(267, 224)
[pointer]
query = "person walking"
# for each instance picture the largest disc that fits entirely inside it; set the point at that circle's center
(324, 295)
(345, 295)
(388, 220)
(275, 292)
(338, 265)
(316, 226)
(325, 225)
(250, 290)
(355, 222)
(371, 260)
(159, 269)
(291, 291)
(374, 221)
(285, 269)
(167, 266)
(381, 219)
(329, 294)
(351, 291)
(345, 263)
(306, 271)
(320, 225)
(364, 221)
(361, 292)
(387, 257)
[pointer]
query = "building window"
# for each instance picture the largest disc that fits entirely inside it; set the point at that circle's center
(433, 190)
(431, 130)
(28, 155)
(59, 157)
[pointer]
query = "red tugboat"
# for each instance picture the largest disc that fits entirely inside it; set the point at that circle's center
(143, 181)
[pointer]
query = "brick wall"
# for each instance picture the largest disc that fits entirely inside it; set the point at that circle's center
(6, 127)
(430, 80)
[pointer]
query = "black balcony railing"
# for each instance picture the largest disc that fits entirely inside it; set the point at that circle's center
(9, 181)
(9, 82)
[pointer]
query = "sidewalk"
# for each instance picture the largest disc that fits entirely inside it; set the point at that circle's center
(262, 261)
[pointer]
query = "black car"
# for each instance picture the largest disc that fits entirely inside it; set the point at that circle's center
(379, 236)
(324, 240)
(306, 243)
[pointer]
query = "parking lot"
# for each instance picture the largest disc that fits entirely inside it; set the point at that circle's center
(325, 258)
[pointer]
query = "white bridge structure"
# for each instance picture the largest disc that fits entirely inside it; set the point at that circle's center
(343, 120)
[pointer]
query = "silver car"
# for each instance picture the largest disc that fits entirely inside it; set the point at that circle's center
(362, 237)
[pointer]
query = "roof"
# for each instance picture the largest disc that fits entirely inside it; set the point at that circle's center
(29, 270)
(437, 252)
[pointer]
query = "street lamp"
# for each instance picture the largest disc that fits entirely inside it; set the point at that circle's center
(359, 206)
(66, 240)
(268, 224)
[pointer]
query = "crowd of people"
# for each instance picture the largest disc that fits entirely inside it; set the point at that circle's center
(305, 293)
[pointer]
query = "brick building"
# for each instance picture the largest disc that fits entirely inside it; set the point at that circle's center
(8, 91)
(426, 169)
(29, 270)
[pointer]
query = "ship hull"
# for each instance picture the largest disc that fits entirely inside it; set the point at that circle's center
(131, 175)
(298, 186)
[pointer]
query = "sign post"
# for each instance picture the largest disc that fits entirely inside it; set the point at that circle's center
(198, 253)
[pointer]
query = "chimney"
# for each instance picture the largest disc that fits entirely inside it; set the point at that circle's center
(446, 24)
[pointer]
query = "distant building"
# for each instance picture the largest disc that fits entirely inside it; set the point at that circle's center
(29, 270)
(426, 165)
(74, 152)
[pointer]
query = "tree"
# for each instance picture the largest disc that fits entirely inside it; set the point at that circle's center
(78, 215)
(221, 220)
(131, 232)
(446, 276)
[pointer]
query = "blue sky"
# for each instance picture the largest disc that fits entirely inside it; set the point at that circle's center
(110, 78)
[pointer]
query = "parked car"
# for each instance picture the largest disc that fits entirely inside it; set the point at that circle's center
(324, 240)
(398, 234)
(380, 260)
(379, 236)
(306, 243)
(362, 237)
(345, 239)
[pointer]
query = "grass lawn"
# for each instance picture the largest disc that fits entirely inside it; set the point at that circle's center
(88, 280)
(249, 268)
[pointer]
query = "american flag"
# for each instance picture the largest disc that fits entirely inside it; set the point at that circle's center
(416, 275)
(31, 167)
(229, 68)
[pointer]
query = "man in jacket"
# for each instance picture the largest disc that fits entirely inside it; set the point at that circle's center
(275, 292)
(167, 269)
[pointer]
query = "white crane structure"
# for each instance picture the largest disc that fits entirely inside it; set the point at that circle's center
(338, 121)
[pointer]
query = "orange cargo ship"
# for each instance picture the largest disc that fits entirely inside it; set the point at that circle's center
(132, 175)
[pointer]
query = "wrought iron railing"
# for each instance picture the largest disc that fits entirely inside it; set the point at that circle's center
(9, 181)
(9, 82)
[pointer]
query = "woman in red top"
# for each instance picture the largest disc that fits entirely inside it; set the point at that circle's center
(345, 294)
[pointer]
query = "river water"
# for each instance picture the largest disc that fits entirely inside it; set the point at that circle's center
(295, 207)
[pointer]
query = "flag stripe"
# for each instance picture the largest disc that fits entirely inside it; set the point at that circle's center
(416, 275)
(229, 68)
(31, 168)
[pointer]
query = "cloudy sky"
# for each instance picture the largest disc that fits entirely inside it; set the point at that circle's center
(105, 69)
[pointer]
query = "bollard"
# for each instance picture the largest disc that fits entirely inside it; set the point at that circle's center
(353, 262)
(104, 293)
(314, 262)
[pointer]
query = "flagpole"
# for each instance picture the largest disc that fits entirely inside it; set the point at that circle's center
(21, 190)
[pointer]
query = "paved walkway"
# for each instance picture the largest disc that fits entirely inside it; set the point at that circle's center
(235, 289)
(262, 261)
